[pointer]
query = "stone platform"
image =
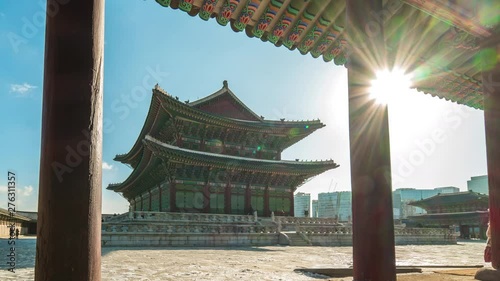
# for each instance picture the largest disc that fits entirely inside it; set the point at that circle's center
(272, 263)
(219, 230)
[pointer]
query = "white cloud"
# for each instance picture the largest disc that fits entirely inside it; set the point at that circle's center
(21, 89)
(3, 189)
(27, 190)
(106, 166)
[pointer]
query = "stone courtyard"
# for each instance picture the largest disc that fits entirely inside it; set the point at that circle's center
(249, 263)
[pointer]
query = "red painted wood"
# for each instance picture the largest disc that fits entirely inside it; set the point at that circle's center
(159, 199)
(491, 88)
(373, 227)
(206, 198)
(69, 203)
(173, 192)
(267, 212)
(226, 106)
(248, 199)
(227, 198)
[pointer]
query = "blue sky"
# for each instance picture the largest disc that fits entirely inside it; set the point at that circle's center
(433, 142)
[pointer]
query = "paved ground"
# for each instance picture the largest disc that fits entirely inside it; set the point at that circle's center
(263, 263)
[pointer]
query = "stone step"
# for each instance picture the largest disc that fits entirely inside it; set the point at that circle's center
(296, 239)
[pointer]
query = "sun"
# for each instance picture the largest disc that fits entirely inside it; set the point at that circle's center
(389, 85)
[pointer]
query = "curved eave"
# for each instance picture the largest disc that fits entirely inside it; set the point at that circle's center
(446, 199)
(221, 92)
(145, 163)
(449, 215)
(311, 27)
(174, 153)
(155, 150)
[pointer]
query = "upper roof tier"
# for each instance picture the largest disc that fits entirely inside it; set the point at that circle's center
(436, 41)
(157, 156)
(446, 199)
(218, 117)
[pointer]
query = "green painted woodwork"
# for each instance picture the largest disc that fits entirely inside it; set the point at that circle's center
(217, 200)
(165, 199)
(185, 6)
(286, 205)
(155, 202)
(258, 201)
(145, 203)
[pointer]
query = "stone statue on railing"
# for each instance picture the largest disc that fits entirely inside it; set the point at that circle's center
(272, 216)
(255, 215)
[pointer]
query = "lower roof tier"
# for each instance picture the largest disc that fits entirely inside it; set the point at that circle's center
(161, 161)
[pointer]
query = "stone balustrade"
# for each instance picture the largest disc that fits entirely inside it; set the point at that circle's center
(423, 231)
(189, 217)
(301, 221)
(338, 229)
(169, 228)
(195, 229)
(324, 229)
(117, 218)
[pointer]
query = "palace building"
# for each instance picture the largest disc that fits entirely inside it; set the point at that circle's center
(215, 155)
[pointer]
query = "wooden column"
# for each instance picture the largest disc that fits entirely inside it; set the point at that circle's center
(159, 199)
(227, 198)
(267, 212)
(373, 226)
(173, 191)
(69, 203)
(491, 89)
(292, 204)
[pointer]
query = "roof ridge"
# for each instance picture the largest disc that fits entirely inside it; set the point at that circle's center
(152, 139)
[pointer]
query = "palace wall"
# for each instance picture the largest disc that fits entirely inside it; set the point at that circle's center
(190, 198)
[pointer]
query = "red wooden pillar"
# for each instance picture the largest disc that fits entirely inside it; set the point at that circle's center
(150, 200)
(491, 89)
(173, 192)
(248, 199)
(373, 226)
(227, 198)
(69, 203)
(160, 209)
(206, 197)
(267, 212)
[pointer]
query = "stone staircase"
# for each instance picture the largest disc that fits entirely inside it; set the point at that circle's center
(187, 229)
(296, 239)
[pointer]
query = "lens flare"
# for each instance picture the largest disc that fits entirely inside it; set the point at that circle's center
(389, 84)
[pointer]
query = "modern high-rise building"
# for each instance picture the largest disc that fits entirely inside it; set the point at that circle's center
(478, 184)
(335, 205)
(302, 204)
(402, 196)
(314, 213)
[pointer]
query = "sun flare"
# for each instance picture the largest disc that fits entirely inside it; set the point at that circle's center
(389, 85)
